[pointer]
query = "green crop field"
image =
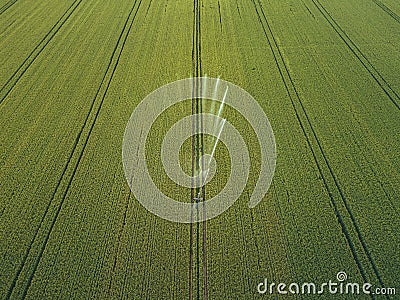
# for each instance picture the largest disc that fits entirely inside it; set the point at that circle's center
(325, 72)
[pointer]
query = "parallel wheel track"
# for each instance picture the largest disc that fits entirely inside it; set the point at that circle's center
(387, 10)
(375, 74)
(393, 96)
(7, 6)
(20, 71)
(81, 139)
(311, 138)
(197, 152)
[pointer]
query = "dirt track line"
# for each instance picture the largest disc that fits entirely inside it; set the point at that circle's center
(380, 80)
(193, 141)
(17, 75)
(331, 173)
(294, 97)
(333, 23)
(106, 81)
(387, 10)
(197, 152)
(201, 153)
(220, 17)
(148, 8)
(238, 10)
(7, 6)
(193, 154)
(202, 190)
(118, 244)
